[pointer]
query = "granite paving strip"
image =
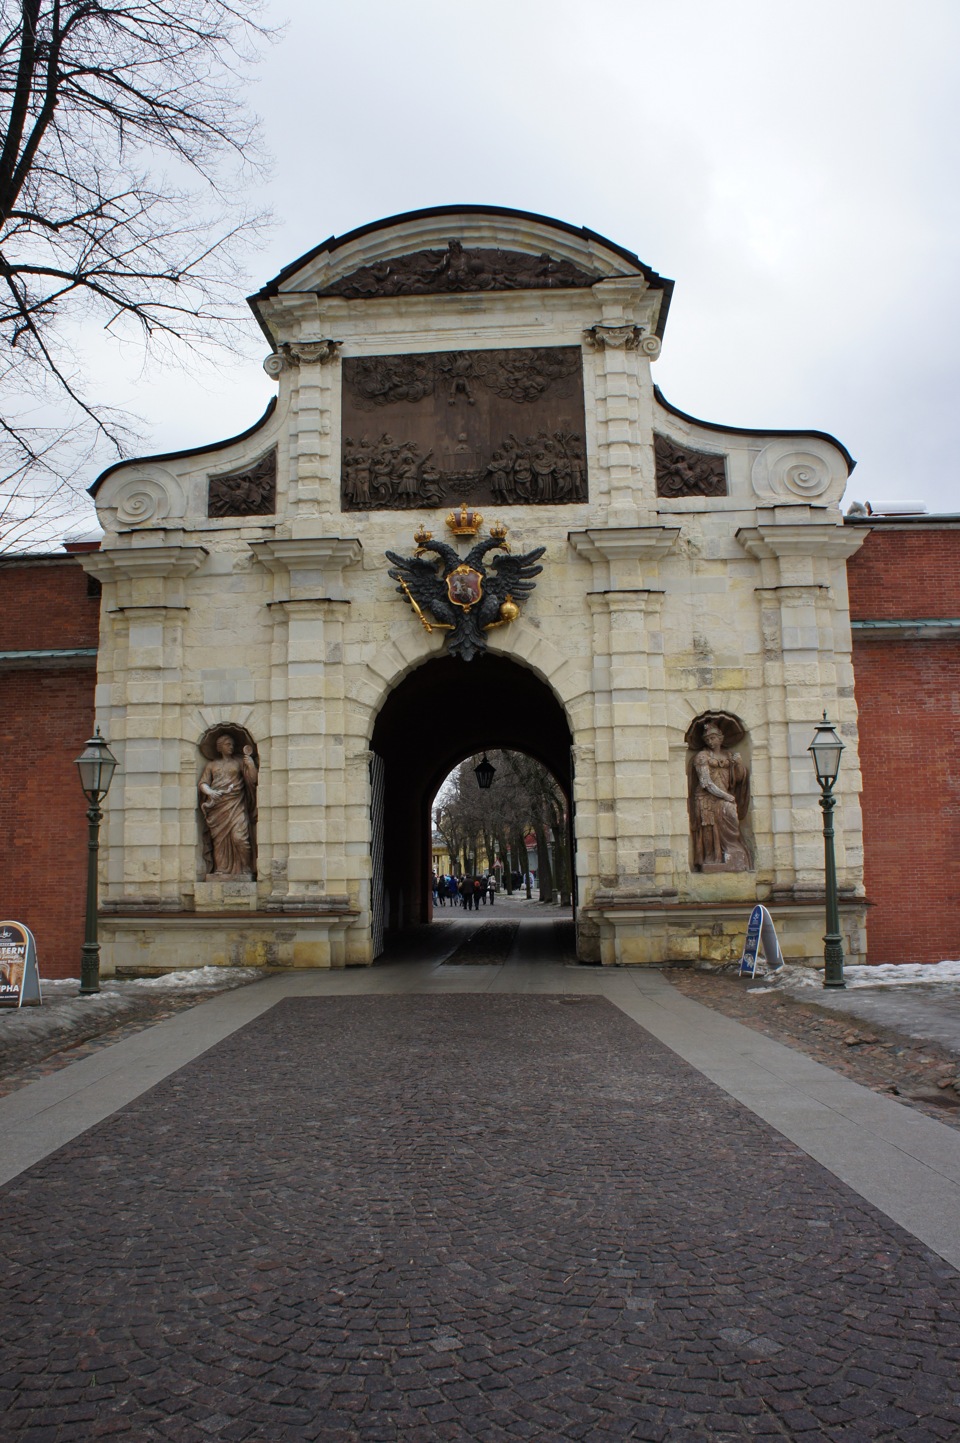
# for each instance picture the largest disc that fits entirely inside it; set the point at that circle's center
(26, 1059)
(489, 946)
(469, 1216)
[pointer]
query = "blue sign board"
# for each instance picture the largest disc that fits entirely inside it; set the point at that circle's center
(761, 936)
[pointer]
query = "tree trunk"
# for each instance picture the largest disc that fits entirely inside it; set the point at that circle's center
(523, 863)
(507, 873)
(561, 856)
(545, 870)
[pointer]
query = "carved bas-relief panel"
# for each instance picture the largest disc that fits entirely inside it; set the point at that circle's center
(250, 492)
(459, 268)
(505, 427)
(682, 471)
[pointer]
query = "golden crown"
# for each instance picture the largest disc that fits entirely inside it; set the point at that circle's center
(465, 522)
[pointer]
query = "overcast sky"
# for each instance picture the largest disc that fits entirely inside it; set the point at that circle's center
(793, 167)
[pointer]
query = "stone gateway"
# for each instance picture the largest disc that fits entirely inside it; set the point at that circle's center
(284, 710)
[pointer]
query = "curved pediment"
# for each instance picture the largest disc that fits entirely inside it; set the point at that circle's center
(458, 249)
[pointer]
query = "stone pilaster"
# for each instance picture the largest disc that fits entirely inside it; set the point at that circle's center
(312, 371)
(139, 704)
(806, 670)
(307, 790)
(630, 760)
(623, 344)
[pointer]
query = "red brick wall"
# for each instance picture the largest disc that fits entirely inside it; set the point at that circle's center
(45, 605)
(908, 696)
(46, 715)
(904, 572)
(45, 718)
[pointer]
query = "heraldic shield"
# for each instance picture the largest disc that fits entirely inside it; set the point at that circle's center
(464, 586)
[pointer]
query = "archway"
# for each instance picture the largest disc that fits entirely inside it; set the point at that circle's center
(439, 713)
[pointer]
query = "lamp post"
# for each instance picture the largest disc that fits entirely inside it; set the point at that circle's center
(96, 766)
(826, 748)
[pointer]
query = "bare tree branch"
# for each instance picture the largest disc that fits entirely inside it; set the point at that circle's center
(523, 797)
(124, 139)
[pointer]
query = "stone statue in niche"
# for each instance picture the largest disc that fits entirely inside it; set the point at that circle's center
(251, 492)
(719, 794)
(228, 804)
(682, 471)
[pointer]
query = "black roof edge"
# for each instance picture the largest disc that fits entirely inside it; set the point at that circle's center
(189, 451)
(333, 243)
(753, 430)
(38, 558)
(927, 518)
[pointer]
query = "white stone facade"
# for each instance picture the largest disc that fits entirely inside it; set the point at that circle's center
(649, 612)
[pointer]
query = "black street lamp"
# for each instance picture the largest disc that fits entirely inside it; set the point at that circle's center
(826, 748)
(484, 774)
(96, 766)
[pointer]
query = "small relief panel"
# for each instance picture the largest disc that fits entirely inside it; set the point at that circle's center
(682, 471)
(250, 492)
(429, 430)
(459, 268)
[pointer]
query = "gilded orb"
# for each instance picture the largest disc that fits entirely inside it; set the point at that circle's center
(509, 610)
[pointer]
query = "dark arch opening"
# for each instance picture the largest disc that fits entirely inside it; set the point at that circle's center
(441, 712)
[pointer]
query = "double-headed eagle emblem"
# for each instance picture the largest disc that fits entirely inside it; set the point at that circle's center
(465, 597)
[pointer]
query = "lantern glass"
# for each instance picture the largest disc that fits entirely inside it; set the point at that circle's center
(96, 766)
(484, 773)
(826, 748)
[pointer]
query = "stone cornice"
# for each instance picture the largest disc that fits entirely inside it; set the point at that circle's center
(131, 563)
(804, 539)
(329, 553)
(624, 543)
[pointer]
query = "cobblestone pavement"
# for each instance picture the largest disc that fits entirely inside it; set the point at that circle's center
(921, 1072)
(451, 1217)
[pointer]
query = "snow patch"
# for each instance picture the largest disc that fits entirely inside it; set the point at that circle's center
(885, 974)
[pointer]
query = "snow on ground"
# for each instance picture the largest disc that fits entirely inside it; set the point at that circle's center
(884, 975)
(887, 974)
(190, 979)
(64, 1012)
